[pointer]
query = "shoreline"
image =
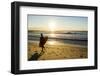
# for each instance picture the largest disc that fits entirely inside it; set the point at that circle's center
(67, 43)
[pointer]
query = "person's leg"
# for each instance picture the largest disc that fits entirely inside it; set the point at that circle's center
(42, 49)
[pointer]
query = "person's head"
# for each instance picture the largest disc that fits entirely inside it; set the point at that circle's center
(41, 35)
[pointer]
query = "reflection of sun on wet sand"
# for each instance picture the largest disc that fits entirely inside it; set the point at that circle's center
(53, 52)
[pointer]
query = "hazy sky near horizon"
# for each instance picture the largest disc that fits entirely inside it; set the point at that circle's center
(56, 23)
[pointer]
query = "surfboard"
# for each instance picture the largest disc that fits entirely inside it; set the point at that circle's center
(43, 40)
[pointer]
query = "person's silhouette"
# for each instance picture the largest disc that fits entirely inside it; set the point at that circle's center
(42, 41)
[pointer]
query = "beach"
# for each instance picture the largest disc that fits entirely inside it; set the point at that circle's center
(63, 37)
(53, 52)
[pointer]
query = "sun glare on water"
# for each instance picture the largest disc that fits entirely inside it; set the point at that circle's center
(52, 35)
(51, 42)
(52, 27)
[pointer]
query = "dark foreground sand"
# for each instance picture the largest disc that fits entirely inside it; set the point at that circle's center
(53, 52)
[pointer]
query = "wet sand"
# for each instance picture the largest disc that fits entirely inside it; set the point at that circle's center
(53, 52)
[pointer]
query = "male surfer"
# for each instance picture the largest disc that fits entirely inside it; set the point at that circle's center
(42, 41)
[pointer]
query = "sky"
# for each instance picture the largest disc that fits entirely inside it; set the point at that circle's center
(57, 23)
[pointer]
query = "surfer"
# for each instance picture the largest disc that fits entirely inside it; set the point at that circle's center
(42, 41)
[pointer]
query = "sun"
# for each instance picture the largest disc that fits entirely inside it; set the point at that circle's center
(52, 26)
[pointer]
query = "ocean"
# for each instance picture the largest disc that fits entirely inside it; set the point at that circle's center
(60, 38)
